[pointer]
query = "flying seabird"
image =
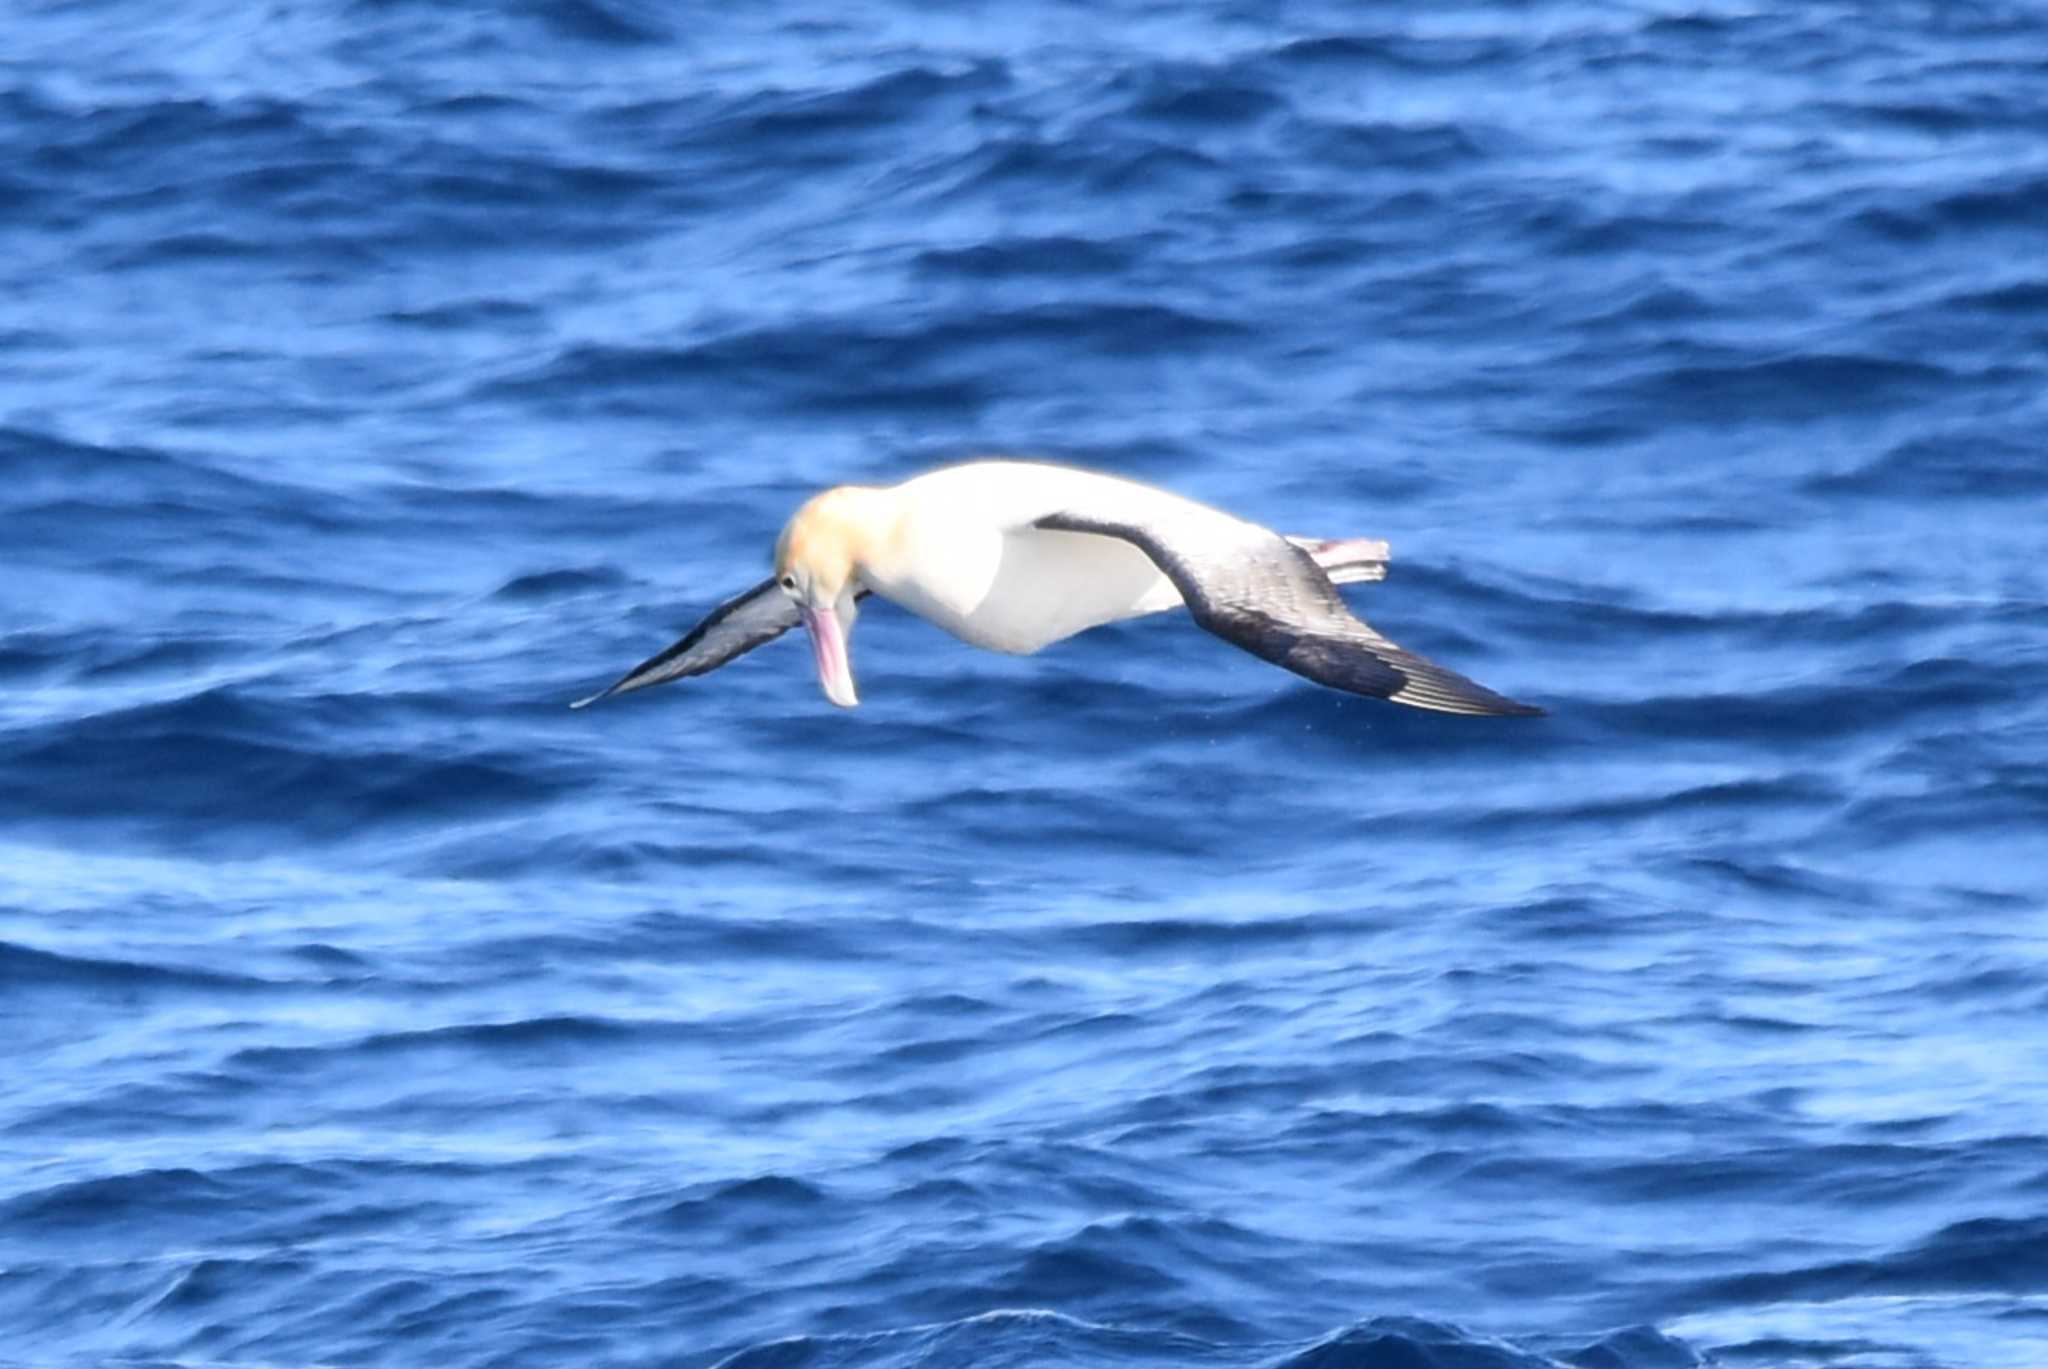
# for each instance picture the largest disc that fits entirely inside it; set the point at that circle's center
(1017, 555)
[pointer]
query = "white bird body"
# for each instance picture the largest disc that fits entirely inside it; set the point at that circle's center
(963, 554)
(1016, 555)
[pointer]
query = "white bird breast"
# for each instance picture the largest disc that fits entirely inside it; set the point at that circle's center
(1017, 590)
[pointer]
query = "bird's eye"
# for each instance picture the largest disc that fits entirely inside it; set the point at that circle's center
(789, 582)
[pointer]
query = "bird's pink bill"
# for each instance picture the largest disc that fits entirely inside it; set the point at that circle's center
(828, 645)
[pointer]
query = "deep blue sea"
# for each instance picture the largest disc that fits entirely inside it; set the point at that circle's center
(377, 376)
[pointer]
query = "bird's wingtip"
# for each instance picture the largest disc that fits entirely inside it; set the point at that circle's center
(1432, 687)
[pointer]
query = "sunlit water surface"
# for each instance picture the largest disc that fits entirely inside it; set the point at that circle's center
(380, 375)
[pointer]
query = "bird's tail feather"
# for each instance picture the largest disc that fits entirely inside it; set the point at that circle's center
(1347, 560)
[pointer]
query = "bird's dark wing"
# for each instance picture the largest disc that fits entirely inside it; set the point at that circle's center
(732, 629)
(1257, 590)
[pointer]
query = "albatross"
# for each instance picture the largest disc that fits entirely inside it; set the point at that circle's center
(1016, 555)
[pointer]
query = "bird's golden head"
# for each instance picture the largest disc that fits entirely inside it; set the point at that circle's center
(818, 560)
(817, 556)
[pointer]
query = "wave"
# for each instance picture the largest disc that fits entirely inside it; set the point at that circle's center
(1965, 464)
(517, 1038)
(1787, 388)
(833, 364)
(1984, 1255)
(50, 475)
(1017, 1338)
(26, 968)
(603, 23)
(238, 767)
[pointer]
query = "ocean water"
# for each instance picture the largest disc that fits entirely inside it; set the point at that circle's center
(376, 376)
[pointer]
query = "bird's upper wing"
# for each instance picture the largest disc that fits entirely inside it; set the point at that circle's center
(732, 629)
(1259, 591)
